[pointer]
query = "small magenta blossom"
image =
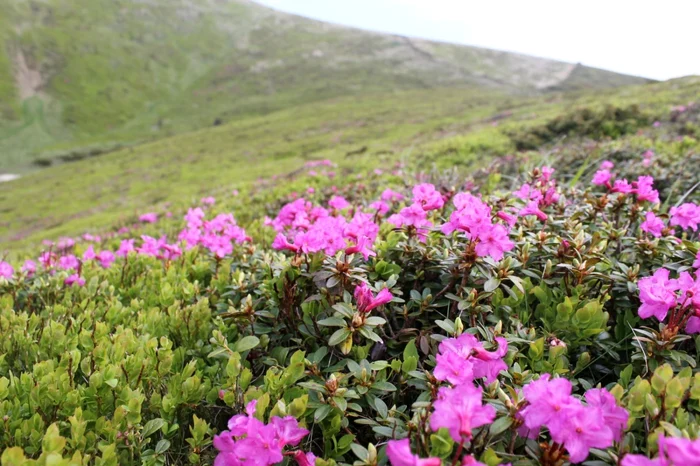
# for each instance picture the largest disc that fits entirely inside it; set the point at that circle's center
(150, 217)
(686, 216)
(74, 279)
(427, 197)
(399, 453)
(366, 301)
(209, 200)
(532, 208)
(460, 410)
(607, 165)
(644, 189)
(389, 195)
(576, 426)
(29, 267)
(89, 254)
(493, 242)
(657, 294)
(68, 262)
(602, 177)
(652, 224)
(251, 442)
(673, 451)
(304, 459)
(105, 258)
(125, 247)
(622, 186)
(6, 270)
(338, 203)
(463, 359)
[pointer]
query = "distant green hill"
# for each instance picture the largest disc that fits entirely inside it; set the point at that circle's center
(100, 73)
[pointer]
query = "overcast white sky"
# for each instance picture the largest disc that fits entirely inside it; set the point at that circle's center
(657, 39)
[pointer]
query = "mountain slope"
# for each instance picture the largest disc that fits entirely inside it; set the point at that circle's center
(97, 72)
(456, 128)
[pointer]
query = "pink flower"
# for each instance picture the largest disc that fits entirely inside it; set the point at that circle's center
(652, 224)
(338, 203)
(363, 246)
(547, 173)
(641, 460)
(105, 258)
(391, 196)
(607, 165)
(427, 197)
(547, 400)
(532, 208)
(622, 186)
(380, 206)
(602, 177)
(68, 262)
(460, 410)
(645, 191)
(494, 242)
(29, 267)
(288, 431)
(686, 216)
(250, 442)
(399, 453)
(125, 247)
(582, 432)
(304, 459)
(657, 294)
(6, 270)
(89, 254)
(366, 301)
(693, 325)
(613, 415)
(461, 360)
(74, 279)
(696, 264)
(150, 217)
(208, 200)
(469, 460)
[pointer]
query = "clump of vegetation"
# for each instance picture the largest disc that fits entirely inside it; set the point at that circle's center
(610, 122)
(530, 315)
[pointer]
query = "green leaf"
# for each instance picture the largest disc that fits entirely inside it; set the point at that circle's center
(500, 425)
(321, 413)
(332, 322)
(162, 446)
(152, 426)
(491, 284)
(246, 343)
(339, 336)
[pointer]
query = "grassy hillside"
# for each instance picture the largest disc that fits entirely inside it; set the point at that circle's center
(100, 73)
(443, 128)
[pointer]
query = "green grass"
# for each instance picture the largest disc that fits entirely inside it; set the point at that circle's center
(443, 128)
(120, 71)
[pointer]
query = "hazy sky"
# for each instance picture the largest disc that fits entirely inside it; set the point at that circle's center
(651, 38)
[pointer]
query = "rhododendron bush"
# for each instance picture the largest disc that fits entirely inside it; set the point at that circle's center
(549, 317)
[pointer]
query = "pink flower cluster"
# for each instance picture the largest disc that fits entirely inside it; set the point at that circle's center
(660, 294)
(217, 235)
(249, 442)
(542, 193)
(303, 227)
(473, 218)
(686, 216)
(366, 301)
(672, 452)
(6, 270)
(652, 225)
(415, 216)
(643, 188)
(463, 359)
(576, 426)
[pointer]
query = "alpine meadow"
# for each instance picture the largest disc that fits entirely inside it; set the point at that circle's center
(234, 236)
